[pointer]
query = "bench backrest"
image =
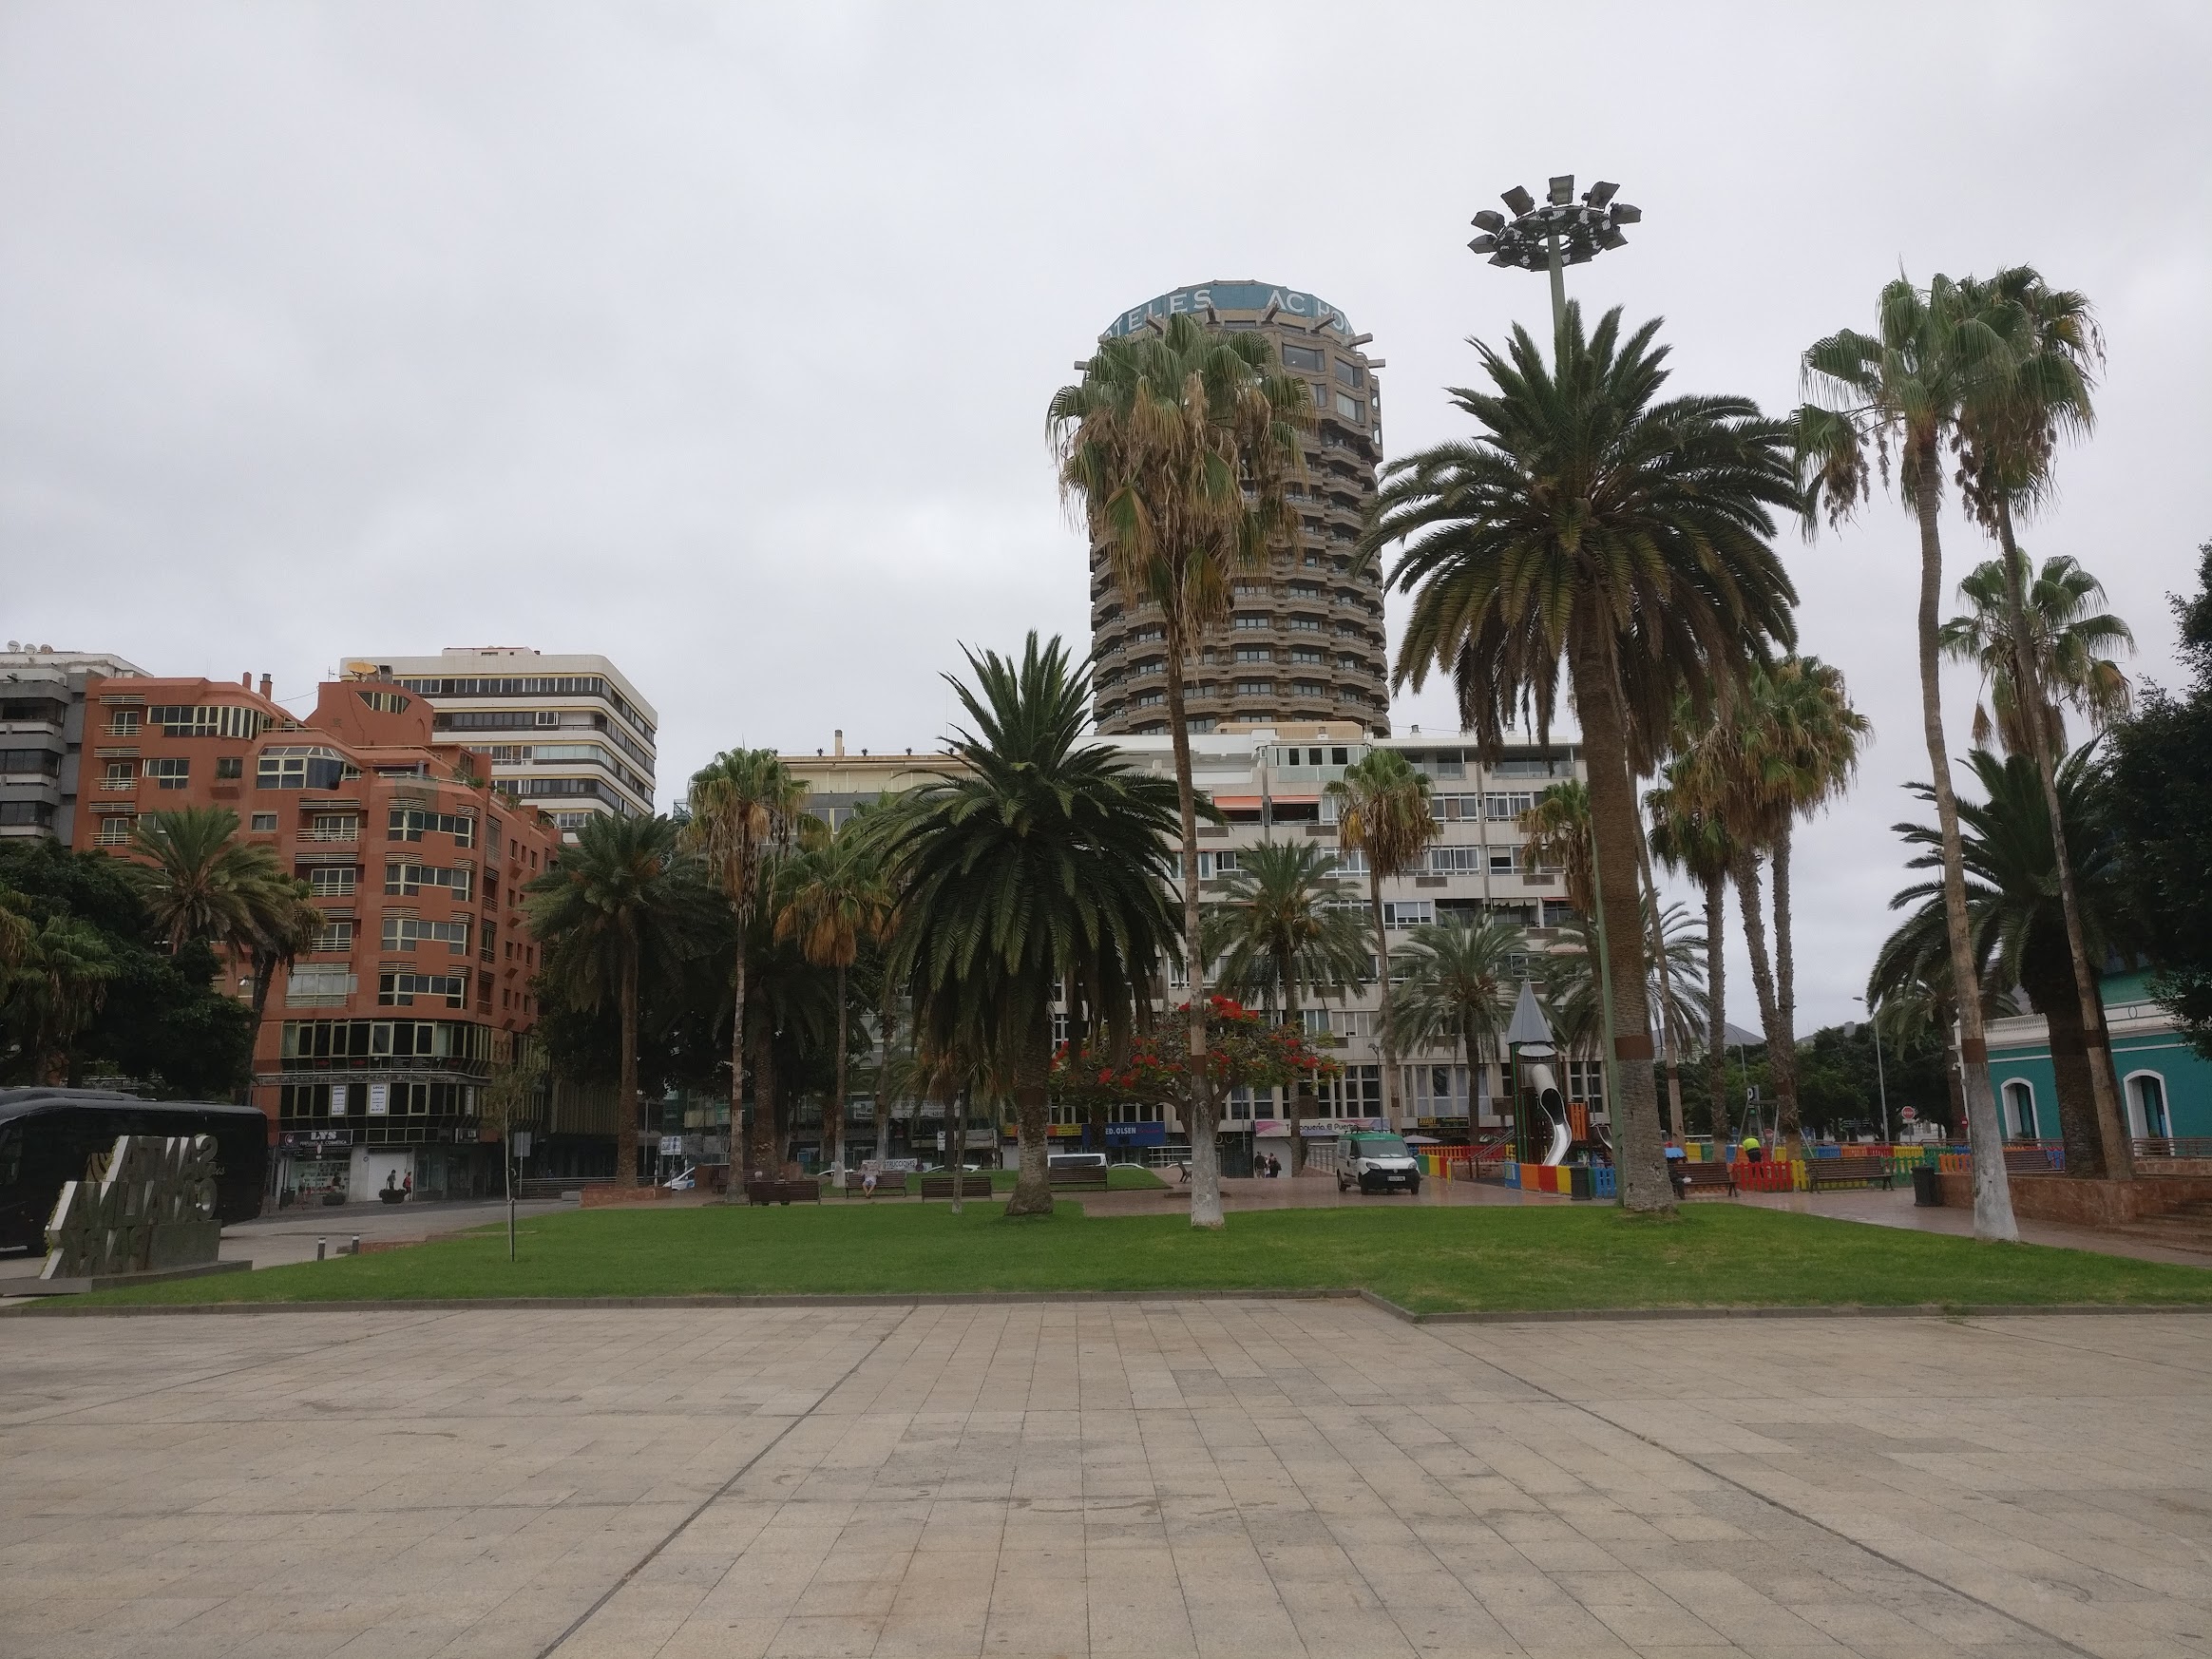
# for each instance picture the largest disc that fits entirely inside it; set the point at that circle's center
(1855, 1169)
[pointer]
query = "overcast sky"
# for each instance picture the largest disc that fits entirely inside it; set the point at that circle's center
(718, 340)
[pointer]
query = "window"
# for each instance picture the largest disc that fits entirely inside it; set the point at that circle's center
(1216, 864)
(1455, 860)
(1306, 624)
(169, 774)
(1408, 912)
(332, 881)
(400, 990)
(230, 766)
(1248, 622)
(2147, 1107)
(384, 703)
(1586, 1083)
(1350, 861)
(207, 721)
(2020, 1109)
(122, 722)
(1351, 408)
(335, 936)
(116, 829)
(335, 827)
(38, 760)
(405, 932)
(1352, 374)
(1256, 688)
(302, 767)
(1255, 653)
(40, 814)
(413, 878)
(412, 822)
(325, 1044)
(1501, 860)
(1306, 653)
(1308, 688)
(1302, 358)
(1357, 1094)
(1148, 699)
(320, 984)
(1504, 809)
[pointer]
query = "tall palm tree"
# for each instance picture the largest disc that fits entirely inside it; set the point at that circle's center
(833, 901)
(1457, 981)
(619, 903)
(2019, 925)
(1285, 923)
(1905, 391)
(286, 924)
(2069, 648)
(1384, 814)
(1589, 521)
(1689, 837)
(2008, 437)
(58, 982)
(201, 881)
(1045, 864)
(745, 806)
(1179, 444)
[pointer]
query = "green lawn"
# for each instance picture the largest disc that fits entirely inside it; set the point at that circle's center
(1432, 1260)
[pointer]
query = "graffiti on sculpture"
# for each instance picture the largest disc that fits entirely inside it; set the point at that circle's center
(145, 1205)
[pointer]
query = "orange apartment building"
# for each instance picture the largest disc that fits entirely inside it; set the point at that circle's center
(375, 1050)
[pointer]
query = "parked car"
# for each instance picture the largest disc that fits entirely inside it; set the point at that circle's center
(1377, 1162)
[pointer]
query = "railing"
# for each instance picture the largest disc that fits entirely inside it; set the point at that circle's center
(348, 835)
(116, 785)
(2174, 1145)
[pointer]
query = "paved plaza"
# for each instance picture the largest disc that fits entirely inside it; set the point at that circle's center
(1156, 1478)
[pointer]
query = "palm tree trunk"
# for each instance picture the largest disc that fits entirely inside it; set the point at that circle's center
(627, 1176)
(1993, 1193)
(735, 1193)
(1302, 1091)
(2052, 994)
(1382, 1017)
(1783, 1044)
(1716, 902)
(1032, 1188)
(1640, 1154)
(1672, 1058)
(764, 1093)
(955, 1111)
(1753, 906)
(2044, 735)
(1205, 1142)
(833, 1125)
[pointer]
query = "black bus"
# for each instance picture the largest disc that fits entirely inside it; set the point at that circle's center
(47, 1135)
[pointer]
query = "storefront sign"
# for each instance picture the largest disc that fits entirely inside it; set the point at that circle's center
(1136, 1134)
(379, 1100)
(672, 1146)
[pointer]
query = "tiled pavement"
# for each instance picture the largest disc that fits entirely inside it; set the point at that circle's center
(1156, 1478)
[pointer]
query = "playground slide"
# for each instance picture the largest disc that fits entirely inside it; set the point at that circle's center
(1561, 1141)
(1547, 1088)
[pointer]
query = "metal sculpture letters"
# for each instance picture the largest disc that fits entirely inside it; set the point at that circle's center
(146, 1205)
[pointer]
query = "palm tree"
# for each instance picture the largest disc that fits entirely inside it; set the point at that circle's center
(56, 986)
(1557, 828)
(2008, 437)
(1180, 443)
(619, 903)
(1384, 814)
(285, 924)
(744, 807)
(1589, 521)
(1690, 838)
(2018, 922)
(1457, 981)
(2068, 641)
(833, 901)
(1907, 389)
(1046, 864)
(1285, 922)
(201, 881)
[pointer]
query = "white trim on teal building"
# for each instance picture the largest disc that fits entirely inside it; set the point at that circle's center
(2165, 1083)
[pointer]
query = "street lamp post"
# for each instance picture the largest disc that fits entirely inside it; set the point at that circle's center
(1882, 1080)
(1549, 237)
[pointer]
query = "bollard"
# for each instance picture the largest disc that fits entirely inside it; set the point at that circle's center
(357, 1251)
(320, 1246)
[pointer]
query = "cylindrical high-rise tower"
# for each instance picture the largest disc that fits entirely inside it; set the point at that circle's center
(1306, 639)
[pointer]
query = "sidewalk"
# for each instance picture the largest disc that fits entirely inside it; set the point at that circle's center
(1896, 1209)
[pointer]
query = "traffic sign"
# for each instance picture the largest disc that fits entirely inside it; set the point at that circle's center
(1911, 1114)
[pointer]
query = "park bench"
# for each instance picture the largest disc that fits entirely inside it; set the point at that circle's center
(974, 1185)
(1698, 1179)
(1841, 1171)
(1077, 1177)
(2026, 1160)
(783, 1191)
(891, 1185)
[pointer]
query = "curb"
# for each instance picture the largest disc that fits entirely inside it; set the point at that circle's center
(1020, 1297)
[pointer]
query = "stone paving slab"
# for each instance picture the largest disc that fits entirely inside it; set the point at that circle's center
(1164, 1478)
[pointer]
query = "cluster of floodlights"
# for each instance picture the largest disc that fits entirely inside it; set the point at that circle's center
(1579, 230)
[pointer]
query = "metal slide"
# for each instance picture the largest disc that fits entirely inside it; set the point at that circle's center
(1547, 1097)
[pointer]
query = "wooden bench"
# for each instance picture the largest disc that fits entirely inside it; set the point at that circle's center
(1693, 1179)
(2026, 1160)
(783, 1191)
(1844, 1171)
(975, 1185)
(1077, 1177)
(890, 1186)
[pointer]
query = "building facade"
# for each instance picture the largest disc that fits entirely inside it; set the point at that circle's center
(570, 734)
(1271, 782)
(1305, 641)
(2164, 1084)
(375, 1048)
(42, 736)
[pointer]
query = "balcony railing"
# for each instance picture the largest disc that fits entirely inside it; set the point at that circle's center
(118, 786)
(352, 833)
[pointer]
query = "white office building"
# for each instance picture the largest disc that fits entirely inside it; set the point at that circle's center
(567, 734)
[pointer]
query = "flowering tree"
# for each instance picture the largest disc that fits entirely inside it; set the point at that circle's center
(1247, 1051)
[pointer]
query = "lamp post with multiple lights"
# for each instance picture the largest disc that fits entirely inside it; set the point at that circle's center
(1551, 235)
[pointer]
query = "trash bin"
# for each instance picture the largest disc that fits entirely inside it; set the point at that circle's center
(1927, 1189)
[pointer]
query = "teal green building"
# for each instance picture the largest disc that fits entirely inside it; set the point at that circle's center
(2165, 1083)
